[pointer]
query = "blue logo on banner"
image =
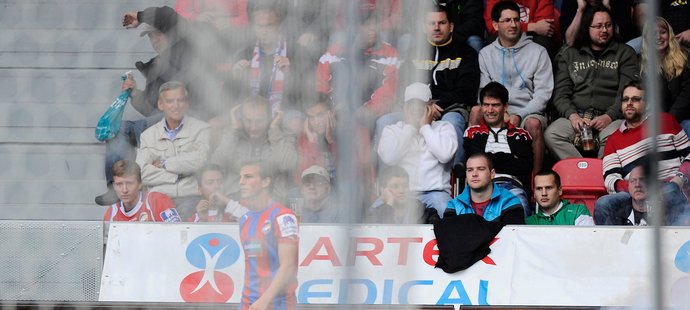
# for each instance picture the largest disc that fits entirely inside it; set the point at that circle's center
(683, 258)
(217, 249)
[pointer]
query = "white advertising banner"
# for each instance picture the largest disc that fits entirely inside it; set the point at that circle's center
(383, 264)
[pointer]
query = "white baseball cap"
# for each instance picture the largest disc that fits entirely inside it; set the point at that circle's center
(419, 91)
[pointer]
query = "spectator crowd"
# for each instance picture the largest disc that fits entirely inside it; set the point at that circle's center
(392, 111)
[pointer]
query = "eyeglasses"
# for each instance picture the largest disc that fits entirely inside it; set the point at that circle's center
(509, 20)
(634, 99)
(601, 26)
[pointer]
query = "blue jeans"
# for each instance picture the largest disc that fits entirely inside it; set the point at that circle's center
(476, 42)
(614, 209)
(123, 145)
(519, 193)
(459, 123)
(435, 199)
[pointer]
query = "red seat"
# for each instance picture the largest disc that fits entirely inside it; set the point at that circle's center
(582, 180)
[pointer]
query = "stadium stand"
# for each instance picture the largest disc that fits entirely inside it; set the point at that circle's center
(60, 63)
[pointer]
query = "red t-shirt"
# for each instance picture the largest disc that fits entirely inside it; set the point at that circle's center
(480, 206)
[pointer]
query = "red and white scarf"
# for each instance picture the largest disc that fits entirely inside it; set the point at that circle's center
(275, 90)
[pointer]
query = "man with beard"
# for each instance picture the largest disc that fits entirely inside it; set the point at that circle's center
(589, 76)
(628, 147)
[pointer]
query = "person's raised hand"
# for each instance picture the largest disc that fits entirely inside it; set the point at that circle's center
(130, 20)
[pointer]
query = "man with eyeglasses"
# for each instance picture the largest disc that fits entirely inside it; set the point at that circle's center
(524, 68)
(635, 209)
(589, 76)
(174, 149)
(537, 18)
(628, 147)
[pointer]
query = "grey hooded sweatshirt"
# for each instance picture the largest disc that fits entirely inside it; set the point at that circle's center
(524, 69)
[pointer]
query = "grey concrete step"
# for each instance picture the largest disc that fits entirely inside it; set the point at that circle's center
(58, 115)
(52, 162)
(50, 115)
(47, 135)
(41, 191)
(70, 13)
(75, 86)
(74, 40)
(69, 212)
(75, 60)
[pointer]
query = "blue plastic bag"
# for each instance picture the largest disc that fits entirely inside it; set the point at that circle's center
(109, 124)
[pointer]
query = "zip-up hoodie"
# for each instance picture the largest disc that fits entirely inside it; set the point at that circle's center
(524, 69)
(583, 82)
(451, 69)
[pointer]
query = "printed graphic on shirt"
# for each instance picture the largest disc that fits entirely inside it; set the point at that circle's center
(143, 217)
(440, 65)
(288, 225)
(252, 248)
(170, 216)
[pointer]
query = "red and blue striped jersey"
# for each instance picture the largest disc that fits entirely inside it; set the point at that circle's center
(261, 232)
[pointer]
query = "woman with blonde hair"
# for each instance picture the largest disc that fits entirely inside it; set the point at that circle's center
(673, 71)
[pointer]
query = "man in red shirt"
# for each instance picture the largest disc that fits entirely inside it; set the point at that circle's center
(133, 204)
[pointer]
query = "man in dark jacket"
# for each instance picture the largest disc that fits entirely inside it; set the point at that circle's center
(451, 67)
(509, 147)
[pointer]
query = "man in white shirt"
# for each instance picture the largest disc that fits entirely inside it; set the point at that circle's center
(423, 146)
